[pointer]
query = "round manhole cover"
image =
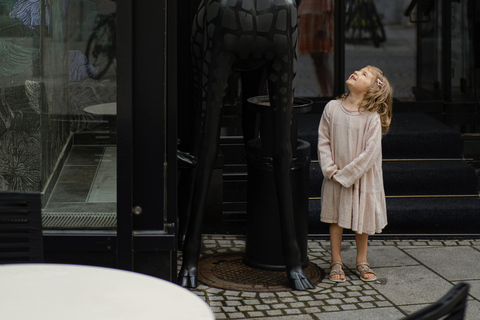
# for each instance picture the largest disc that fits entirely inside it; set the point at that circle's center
(229, 272)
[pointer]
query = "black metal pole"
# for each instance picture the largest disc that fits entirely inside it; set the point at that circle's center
(124, 136)
(172, 102)
(447, 49)
(339, 47)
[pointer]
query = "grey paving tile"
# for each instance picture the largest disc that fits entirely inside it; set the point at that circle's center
(473, 310)
(474, 288)
(289, 317)
(380, 256)
(455, 263)
(406, 286)
(411, 285)
(370, 314)
(409, 309)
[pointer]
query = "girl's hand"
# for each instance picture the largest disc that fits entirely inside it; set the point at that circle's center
(333, 177)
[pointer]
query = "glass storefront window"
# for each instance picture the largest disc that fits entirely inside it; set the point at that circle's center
(377, 33)
(429, 25)
(58, 106)
(465, 47)
(315, 48)
(409, 48)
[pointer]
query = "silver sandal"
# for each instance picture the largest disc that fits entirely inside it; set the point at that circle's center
(336, 271)
(365, 268)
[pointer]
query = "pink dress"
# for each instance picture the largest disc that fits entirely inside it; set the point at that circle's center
(351, 143)
(315, 26)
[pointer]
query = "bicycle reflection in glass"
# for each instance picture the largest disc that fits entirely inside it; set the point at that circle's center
(102, 43)
(363, 22)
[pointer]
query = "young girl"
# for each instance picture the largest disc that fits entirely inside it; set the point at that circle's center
(350, 155)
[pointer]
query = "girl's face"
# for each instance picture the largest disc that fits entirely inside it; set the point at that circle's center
(360, 81)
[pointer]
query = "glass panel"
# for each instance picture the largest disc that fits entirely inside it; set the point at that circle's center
(378, 33)
(315, 48)
(465, 45)
(473, 16)
(429, 84)
(57, 107)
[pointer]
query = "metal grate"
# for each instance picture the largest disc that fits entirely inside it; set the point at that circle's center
(79, 220)
(229, 272)
(21, 238)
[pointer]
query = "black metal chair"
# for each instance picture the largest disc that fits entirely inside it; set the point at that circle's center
(451, 306)
(21, 238)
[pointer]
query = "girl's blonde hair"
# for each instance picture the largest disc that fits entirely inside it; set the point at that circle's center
(379, 98)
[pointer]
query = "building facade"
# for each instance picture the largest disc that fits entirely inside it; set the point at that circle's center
(97, 97)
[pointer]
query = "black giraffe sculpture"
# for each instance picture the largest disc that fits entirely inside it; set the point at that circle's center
(258, 37)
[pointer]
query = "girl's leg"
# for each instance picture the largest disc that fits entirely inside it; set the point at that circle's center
(362, 244)
(336, 233)
(324, 72)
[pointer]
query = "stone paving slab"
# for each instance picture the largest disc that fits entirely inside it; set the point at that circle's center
(412, 285)
(380, 256)
(410, 278)
(372, 314)
(474, 288)
(409, 309)
(473, 310)
(298, 317)
(460, 263)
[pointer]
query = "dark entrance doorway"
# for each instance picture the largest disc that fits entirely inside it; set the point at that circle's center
(426, 49)
(112, 202)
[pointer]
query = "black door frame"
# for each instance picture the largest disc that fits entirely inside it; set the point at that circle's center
(146, 125)
(339, 47)
(146, 150)
(124, 136)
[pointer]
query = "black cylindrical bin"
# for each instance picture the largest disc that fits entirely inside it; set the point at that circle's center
(264, 235)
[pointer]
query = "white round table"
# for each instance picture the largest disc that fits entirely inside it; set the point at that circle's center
(76, 292)
(109, 108)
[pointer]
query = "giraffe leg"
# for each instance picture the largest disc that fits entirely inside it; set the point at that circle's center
(187, 180)
(281, 100)
(253, 82)
(217, 74)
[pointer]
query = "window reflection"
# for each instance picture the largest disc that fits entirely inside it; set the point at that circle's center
(57, 63)
(92, 71)
(465, 49)
(315, 48)
(378, 33)
(428, 19)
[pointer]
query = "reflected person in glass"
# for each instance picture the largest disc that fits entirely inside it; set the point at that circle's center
(315, 38)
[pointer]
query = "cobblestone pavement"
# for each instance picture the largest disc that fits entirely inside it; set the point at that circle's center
(411, 274)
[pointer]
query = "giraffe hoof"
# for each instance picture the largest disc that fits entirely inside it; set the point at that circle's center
(299, 281)
(188, 278)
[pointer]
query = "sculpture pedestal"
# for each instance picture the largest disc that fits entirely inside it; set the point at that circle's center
(264, 248)
(264, 234)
